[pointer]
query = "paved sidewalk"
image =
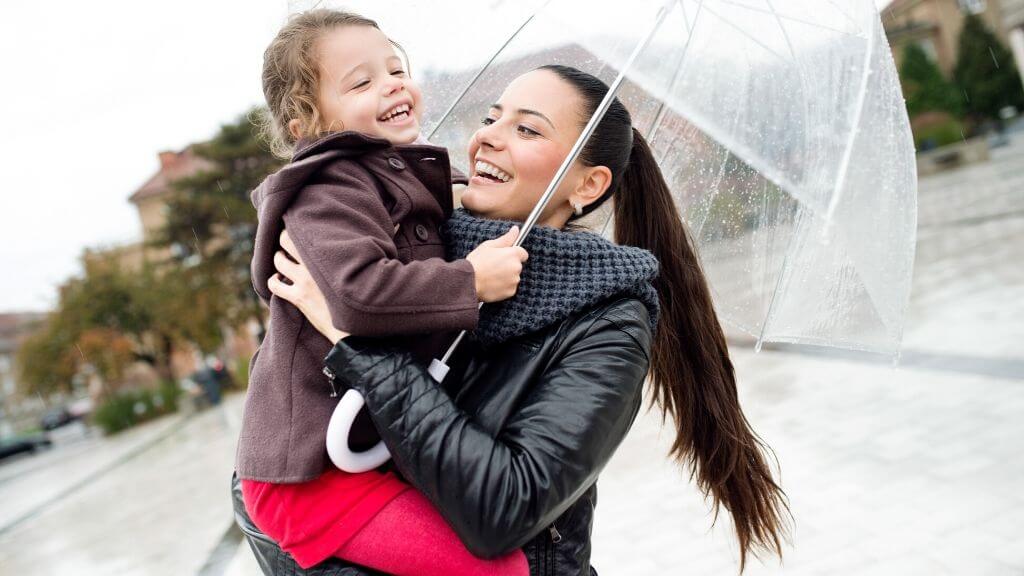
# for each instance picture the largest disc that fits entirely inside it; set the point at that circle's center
(156, 511)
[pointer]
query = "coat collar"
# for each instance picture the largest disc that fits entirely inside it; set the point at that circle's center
(348, 140)
(357, 142)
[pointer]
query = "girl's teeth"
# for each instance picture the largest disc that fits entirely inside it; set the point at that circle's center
(403, 109)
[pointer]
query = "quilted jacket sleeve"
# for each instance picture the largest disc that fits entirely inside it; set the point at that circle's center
(498, 492)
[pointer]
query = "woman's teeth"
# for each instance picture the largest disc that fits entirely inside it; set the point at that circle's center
(396, 114)
(491, 170)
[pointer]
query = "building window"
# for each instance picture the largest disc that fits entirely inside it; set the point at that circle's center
(972, 6)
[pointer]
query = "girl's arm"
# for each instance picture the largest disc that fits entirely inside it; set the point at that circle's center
(498, 492)
(345, 236)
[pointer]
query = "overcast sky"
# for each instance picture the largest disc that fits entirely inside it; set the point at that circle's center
(93, 90)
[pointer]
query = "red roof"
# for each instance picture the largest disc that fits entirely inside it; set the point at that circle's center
(173, 166)
(16, 325)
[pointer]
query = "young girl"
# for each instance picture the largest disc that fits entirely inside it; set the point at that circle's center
(362, 202)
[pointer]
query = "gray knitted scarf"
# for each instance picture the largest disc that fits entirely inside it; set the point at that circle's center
(567, 272)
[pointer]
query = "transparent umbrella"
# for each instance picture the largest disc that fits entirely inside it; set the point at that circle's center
(781, 129)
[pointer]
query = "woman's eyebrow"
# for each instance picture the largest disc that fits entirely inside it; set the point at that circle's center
(528, 112)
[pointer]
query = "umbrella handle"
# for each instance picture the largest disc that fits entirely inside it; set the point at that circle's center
(340, 426)
(337, 438)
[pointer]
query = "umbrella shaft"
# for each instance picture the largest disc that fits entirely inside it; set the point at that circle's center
(588, 130)
(531, 220)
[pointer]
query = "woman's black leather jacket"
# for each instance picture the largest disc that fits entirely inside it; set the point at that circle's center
(510, 446)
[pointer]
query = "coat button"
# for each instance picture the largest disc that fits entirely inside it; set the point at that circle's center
(421, 232)
(396, 163)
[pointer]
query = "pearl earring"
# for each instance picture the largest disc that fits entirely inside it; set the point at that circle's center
(577, 208)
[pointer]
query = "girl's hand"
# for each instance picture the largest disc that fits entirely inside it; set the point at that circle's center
(497, 265)
(294, 283)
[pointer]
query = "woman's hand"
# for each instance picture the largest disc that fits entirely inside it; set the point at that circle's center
(294, 283)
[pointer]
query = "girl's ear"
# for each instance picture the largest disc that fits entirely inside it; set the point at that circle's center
(595, 182)
(295, 128)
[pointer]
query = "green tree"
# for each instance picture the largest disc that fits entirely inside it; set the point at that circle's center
(986, 72)
(212, 223)
(924, 86)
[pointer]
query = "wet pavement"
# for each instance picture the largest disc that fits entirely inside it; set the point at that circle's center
(907, 470)
(152, 500)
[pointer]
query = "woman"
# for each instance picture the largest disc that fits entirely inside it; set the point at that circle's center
(509, 448)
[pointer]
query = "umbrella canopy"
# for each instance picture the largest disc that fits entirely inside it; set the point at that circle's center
(779, 125)
(781, 129)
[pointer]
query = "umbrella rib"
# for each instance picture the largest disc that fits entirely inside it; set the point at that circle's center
(770, 315)
(662, 107)
(793, 18)
(803, 80)
(843, 12)
(483, 69)
(782, 28)
(844, 166)
(744, 32)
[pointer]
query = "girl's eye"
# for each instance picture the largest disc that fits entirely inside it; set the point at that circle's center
(398, 73)
(487, 121)
(529, 131)
(361, 84)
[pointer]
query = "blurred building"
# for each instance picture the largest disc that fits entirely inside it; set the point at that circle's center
(151, 199)
(14, 328)
(935, 25)
(152, 203)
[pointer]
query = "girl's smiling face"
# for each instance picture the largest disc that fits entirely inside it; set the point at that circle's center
(526, 135)
(363, 86)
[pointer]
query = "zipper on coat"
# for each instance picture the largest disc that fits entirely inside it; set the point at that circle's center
(330, 378)
(555, 536)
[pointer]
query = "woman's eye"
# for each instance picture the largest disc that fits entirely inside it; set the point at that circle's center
(487, 121)
(529, 131)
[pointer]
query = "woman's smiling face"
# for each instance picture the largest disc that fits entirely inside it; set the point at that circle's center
(526, 135)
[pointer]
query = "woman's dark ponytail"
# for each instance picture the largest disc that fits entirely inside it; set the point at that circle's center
(691, 374)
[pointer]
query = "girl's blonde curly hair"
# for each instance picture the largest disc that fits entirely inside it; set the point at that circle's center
(291, 76)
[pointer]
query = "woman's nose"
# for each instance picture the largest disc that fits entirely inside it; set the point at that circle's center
(490, 137)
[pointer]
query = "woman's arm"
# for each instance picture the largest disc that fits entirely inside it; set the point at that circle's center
(498, 492)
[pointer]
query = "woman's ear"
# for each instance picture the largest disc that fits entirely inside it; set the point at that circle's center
(295, 128)
(594, 184)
